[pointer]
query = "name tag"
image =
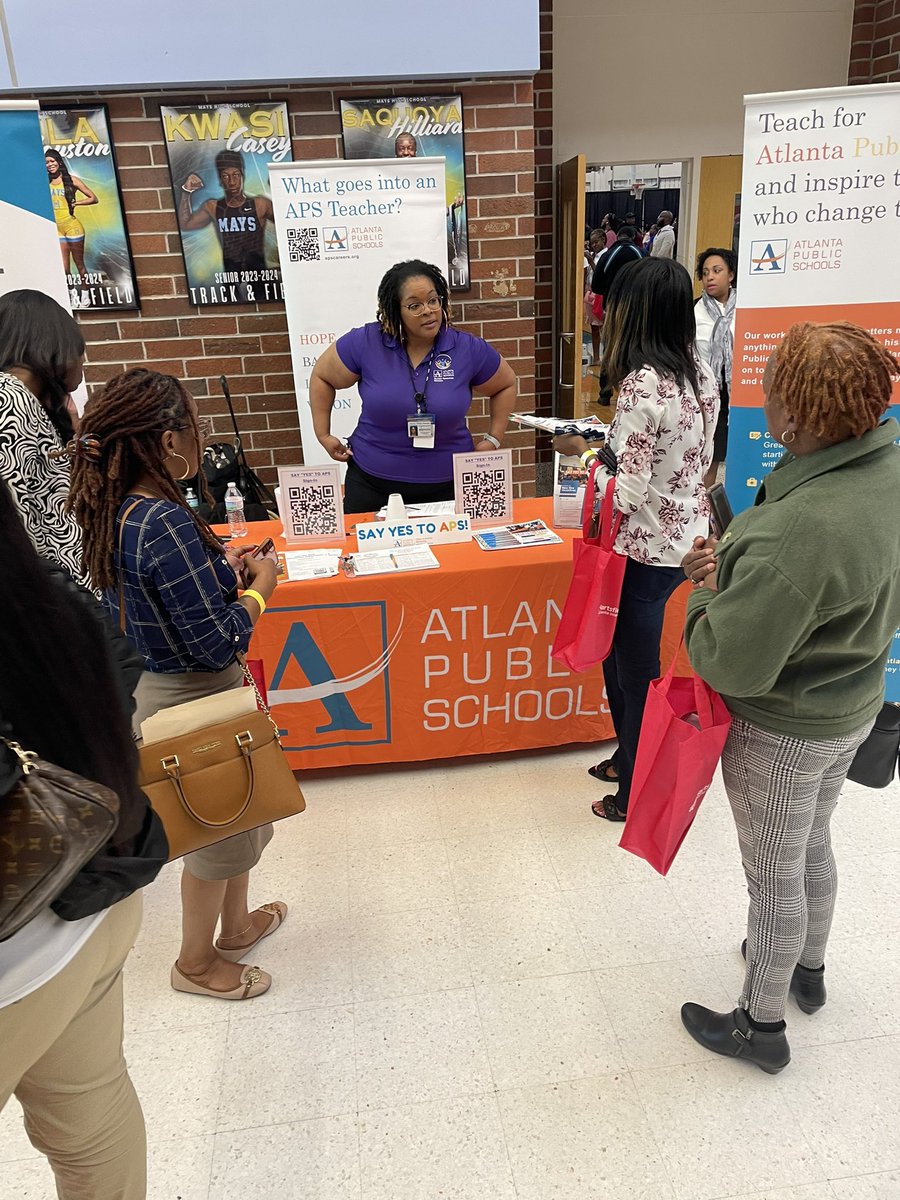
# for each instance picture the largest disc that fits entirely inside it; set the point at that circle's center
(420, 427)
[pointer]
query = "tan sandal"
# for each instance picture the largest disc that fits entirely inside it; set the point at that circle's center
(276, 909)
(253, 983)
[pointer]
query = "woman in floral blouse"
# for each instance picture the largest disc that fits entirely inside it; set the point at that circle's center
(662, 433)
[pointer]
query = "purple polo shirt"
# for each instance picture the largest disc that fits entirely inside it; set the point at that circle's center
(380, 442)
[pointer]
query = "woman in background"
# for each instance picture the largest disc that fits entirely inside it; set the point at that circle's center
(41, 363)
(714, 313)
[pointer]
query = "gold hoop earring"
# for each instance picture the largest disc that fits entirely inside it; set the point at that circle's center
(187, 466)
(788, 437)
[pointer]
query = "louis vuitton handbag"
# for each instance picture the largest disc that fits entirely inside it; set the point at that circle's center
(51, 823)
(228, 777)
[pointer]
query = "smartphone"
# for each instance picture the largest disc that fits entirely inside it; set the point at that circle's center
(720, 510)
(263, 550)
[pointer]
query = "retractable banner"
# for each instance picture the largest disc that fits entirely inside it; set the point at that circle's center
(819, 241)
(340, 226)
(29, 240)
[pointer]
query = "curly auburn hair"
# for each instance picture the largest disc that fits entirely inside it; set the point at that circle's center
(388, 313)
(834, 380)
(120, 442)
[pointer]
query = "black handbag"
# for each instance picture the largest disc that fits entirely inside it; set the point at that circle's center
(875, 763)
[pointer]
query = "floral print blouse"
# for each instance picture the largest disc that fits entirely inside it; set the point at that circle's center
(663, 437)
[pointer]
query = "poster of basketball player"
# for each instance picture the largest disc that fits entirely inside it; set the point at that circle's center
(219, 157)
(413, 127)
(87, 204)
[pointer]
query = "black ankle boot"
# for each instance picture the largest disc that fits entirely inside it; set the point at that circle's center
(807, 986)
(732, 1034)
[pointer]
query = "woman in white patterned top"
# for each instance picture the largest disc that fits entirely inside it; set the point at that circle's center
(662, 434)
(41, 363)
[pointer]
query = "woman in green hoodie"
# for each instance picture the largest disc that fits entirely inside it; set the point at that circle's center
(792, 621)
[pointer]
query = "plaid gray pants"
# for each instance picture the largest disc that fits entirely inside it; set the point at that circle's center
(783, 791)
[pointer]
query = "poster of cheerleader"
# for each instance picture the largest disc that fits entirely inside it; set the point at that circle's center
(87, 206)
(418, 127)
(219, 157)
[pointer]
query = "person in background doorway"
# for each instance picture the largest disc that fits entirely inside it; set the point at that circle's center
(664, 241)
(623, 253)
(647, 241)
(792, 621)
(638, 232)
(714, 313)
(593, 319)
(610, 224)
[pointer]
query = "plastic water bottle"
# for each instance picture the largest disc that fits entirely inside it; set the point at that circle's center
(191, 499)
(234, 507)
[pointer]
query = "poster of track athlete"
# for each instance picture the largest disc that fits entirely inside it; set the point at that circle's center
(219, 157)
(416, 127)
(87, 204)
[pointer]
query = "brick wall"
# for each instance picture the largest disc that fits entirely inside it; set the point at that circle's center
(875, 42)
(250, 343)
(544, 221)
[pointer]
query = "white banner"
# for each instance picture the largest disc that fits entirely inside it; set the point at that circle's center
(29, 240)
(340, 226)
(819, 241)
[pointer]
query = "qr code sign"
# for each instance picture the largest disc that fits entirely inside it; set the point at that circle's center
(314, 511)
(484, 495)
(303, 244)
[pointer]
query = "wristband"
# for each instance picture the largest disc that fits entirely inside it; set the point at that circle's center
(587, 458)
(489, 437)
(254, 595)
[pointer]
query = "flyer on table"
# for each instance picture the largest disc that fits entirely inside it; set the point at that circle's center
(87, 206)
(219, 157)
(418, 127)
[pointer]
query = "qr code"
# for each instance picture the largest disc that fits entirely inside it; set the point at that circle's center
(484, 495)
(313, 511)
(303, 245)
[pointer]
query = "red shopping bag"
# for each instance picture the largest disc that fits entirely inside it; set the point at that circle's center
(682, 738)
(591, 609)
(256, 667)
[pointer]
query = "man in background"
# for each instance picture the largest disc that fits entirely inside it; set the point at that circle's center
(621, 254)
(664, 242)
(239, 220)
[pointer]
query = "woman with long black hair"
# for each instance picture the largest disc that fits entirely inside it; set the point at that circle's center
(65, 189)
(41, 364)
(666, 409)
(64, 697)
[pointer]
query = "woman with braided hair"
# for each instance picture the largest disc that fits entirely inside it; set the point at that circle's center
(792, 620)
(141, 542)
(65, 190)
(415, 373)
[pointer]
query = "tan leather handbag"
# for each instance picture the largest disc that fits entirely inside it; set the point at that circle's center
(227, 778)
(224, 779)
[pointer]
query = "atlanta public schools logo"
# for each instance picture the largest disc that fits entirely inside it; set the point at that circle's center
(335, 239)
(768, 258)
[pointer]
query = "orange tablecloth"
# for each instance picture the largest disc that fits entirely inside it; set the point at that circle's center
(431, 664)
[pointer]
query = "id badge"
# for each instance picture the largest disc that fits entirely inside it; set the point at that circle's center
(420, 427)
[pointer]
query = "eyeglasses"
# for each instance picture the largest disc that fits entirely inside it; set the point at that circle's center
(416, 307)
(204, 428)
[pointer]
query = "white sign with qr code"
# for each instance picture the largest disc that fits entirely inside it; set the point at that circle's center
(482, 483)
(312, 506)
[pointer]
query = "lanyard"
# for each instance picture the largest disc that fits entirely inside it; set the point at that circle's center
(419, 397)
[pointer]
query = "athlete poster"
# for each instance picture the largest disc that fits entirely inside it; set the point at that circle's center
(418, 127)
(340, 226)
(219, 156)
(820, 215)
(87, 205)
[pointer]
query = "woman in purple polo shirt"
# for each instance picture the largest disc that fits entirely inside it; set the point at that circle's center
(415, 374)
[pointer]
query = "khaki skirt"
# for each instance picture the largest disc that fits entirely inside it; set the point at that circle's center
(154, 691)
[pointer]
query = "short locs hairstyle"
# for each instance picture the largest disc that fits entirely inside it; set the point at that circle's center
(388, 313)
(834, 380)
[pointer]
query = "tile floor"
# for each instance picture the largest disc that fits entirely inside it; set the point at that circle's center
(476, 998)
